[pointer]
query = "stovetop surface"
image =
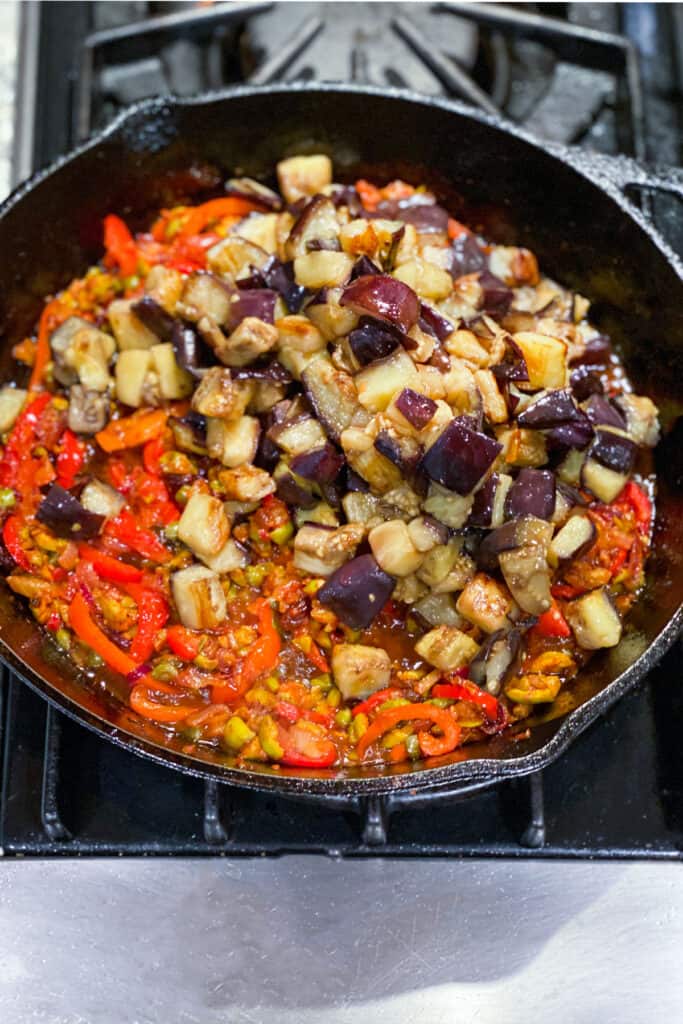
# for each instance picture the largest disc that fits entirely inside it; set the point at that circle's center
(618, 792)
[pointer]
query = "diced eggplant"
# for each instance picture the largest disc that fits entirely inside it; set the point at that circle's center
(248, 188)
(219, 396)
(485, 603)
(467, 256)
(316, 222)
(303, 176)
(496, 297)
(493, 403)
(551, 409)
(199, 597)
(154, 317)
(233, 442)
(189, 432)
(360, 507)
(403, 451)
(165, 285)
(446, 568)
(642, 419)
(374, 339)
(129, 330)
(332, 394)
(321, 513)
(495, 659)
(425, 279)
(256, 302)
(315, 270)
(320, 550)
(576, 434)
(250, 339)
(384, 297)
(449, 508)
(613, 449)
(230, 557)
(235, 257)
(88, 410)
(594, 620)
(174, 381)
(575, 537)
(292, 489)
(132, 371)
(434, 323)
(417, 409)
(527, 574)
(101, 499)
(532, 493)
(11, 403)
(191, 352)
(597, 352)
(482, 508)
(380, 381)
(438, 610)
(602, 413)
(393, 548)
(246, 484)
(426, 532)
(517, 533)
(545, 358)
(460, 457)
(297, 436)
(204, 526)
(606, 484)
(357, 592)
(447, 648)
(67, 517)
(360, 671)
(322, 465)
(584, 383)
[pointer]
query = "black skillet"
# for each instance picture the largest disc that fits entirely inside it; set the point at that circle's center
(569, 207)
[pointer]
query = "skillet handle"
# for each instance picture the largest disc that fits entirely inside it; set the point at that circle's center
(631, 175)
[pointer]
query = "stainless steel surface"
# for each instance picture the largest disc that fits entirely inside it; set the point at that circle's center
(310, 941)
(9, 30)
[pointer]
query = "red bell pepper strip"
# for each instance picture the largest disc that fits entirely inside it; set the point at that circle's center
(552, 623)
(12, 537)
(637, 499)
(152, 617)
(431, 746)
(151, 454)
(188, 254)
(120, 245)
(70, 459)
(184, 642)
(143, 703)
(564, 590)
(317, 658)
(366, 707)
(306, 746)
(123, 527)
(89, 633)
(131, 431)
(109, 568)
(217, 209)
(22, 439)
(326, 757)
(261, 657)
(468, 692)
(43, 354)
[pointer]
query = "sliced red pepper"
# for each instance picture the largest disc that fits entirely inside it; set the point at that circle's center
(552, 623)
(305, 746)
(468, 692)
(70, 459)
(184, 643)
(152, 617)
(120, 245)
(11, 535)
(366, 707)
(431, 746)
(290, 712)
(109, 568)
(151, 454)
(124, 527)
(261, 657)
(564, 590)
(200, 217)
(43, 355)
(89, 633)
(22, 439)
(142, 701)
(131, 431)
(637, 499)
(618, 561)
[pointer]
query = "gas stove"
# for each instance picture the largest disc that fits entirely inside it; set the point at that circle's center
(605, 76)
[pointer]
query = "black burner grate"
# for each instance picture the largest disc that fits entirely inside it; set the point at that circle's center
(619, 790)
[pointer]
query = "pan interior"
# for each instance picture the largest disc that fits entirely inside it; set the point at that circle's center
(511, 190)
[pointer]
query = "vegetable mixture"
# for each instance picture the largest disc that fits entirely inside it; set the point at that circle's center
(320, 477)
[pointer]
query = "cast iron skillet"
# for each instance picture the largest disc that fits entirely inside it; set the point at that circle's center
(569, 208)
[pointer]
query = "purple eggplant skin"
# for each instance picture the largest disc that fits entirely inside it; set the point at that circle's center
(247, 188)
(584, 383)
(495, 659)
(155, 317)
(532, 493)
(357, 591)
(460, 456)
(322, 465)
(65, 516)
(496, 297)
(403, 452)
(280, 277)
(467, 257)
(373, 339)
(613, 451)
(602, 413)
(271, 370)
(576, 434)
(597, 352)
(416, 408)
(482, 510)
(513, 369)
(433, 323)
(571, 495)
(426, 217)
(193, 354)
(258, 302)
(384, 297)
(346, 195)
(292, 492)
(550, 410)
(364, 267)
(354, 482)
(505, 538)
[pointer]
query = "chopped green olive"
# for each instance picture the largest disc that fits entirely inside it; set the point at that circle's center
(237, 734)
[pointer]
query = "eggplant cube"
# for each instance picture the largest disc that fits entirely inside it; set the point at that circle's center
(129, 331)
(460, 457)
(301, 176)
(545, 357)
(231, 556)
(199, 597)
(11, 403)
(322, 269)
(380, 381)
(132, 368)
(174, 382)
(359, 670)
(485, 603)
(234, 443)
(393, 548)
(447, 648)
(357, 592)
(595, 620)
(203, 526)
(321, 551)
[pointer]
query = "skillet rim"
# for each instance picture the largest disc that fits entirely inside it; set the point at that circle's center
(452, 777)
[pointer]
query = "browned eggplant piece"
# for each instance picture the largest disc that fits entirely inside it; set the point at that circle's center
(155, 317)
(418, 409)
(88, 410)
(332, 394)
(357, 592)
(373, 339)
(66, 517)
(384, 297)
(248, 188)
(322, 465)
(532, 493)
(495, 659)
(460, 456)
